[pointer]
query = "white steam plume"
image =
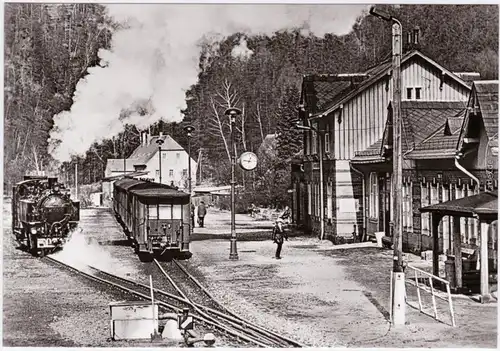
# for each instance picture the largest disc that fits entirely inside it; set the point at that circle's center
(154, 59)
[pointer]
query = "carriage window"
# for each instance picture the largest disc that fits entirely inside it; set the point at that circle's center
(153, 211)
(177, 212)
(166, 211)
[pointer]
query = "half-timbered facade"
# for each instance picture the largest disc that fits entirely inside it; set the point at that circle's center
(350, 111)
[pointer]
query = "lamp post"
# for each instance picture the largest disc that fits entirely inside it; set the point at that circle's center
(320, 133)
(123, 154)
(398, 296)
(232, 113)
(159, 142)
(189, 130)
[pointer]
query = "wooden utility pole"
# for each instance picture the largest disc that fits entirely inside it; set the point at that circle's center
(398, 302)
(76, 180)
(398, 294)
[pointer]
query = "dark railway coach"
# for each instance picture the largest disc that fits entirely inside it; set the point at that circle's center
(43, 214)
(155, 217)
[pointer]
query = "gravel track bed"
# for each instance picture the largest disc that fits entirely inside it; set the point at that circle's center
(108, 250)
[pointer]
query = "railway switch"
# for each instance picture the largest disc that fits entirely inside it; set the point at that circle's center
(185, 321)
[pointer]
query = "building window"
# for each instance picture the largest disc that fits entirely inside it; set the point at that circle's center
(408, 207)
(409, 93)
(373, 195)
(327, 142)
(418, 92)
(184, 172)
(314, 140)
(307, 141)
(158, 173)
(171, 173)
(329, 203)
(425, 201)
(163, 155)
(309, 199)
(460, 193)
(178, 155)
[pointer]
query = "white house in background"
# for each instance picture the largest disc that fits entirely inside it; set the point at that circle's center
(174, 161)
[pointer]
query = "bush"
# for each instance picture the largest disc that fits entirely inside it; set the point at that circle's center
(85, 191)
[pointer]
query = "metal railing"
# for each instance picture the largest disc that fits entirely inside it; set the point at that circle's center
(421, 275)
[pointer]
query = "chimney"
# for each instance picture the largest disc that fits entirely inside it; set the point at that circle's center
(413, 39)
(161, 134)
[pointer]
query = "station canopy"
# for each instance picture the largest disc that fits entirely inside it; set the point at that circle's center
(483, 205)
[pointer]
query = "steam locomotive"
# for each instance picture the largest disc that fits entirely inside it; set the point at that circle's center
(43, 215)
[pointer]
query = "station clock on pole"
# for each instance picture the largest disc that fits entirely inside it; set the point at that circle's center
(248, 161)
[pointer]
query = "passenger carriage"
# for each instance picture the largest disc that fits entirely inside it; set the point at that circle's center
(155, 217)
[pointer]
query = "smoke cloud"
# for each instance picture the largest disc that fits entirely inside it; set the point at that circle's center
(154, 59)
(241, 50)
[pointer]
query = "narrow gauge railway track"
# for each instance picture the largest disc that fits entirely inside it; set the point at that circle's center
(217, 312)
(143, 291)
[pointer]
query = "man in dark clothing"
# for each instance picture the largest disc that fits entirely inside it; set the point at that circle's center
(202, 211)
(278, 235)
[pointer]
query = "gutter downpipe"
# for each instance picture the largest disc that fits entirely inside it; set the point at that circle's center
(363, 199)
(460, 167)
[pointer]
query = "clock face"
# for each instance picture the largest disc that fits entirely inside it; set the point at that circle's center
(248, 161)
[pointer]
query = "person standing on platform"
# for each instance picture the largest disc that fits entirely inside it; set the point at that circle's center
(202, 211)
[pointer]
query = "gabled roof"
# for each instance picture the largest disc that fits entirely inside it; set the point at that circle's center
(453, 125)
(441, 144)
(482, 204)
(483, 101)
(380, 71)
(143, 153)
(422, 118)
(320, 90)
(487, 96)
(423, 133)
(369, 155)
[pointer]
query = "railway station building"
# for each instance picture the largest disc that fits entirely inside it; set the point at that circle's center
(450, 162)
(350, 112)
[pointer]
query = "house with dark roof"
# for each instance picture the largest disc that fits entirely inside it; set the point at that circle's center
(145, 159)
(350, 112)
(449, 152)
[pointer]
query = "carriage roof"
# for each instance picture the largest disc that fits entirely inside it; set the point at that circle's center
(151, 192)
(154, 195)
(127, 183)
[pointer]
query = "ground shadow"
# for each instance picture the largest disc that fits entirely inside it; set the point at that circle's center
(375, 303)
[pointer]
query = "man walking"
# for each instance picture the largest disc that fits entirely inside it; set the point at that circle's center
(202, 211)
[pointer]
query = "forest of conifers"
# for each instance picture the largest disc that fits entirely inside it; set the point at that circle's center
(48, 49)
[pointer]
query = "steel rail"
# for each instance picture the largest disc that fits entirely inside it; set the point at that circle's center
(233, 316)
(242, 323)
(237, 327)
(238, 323)
(147, 297)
